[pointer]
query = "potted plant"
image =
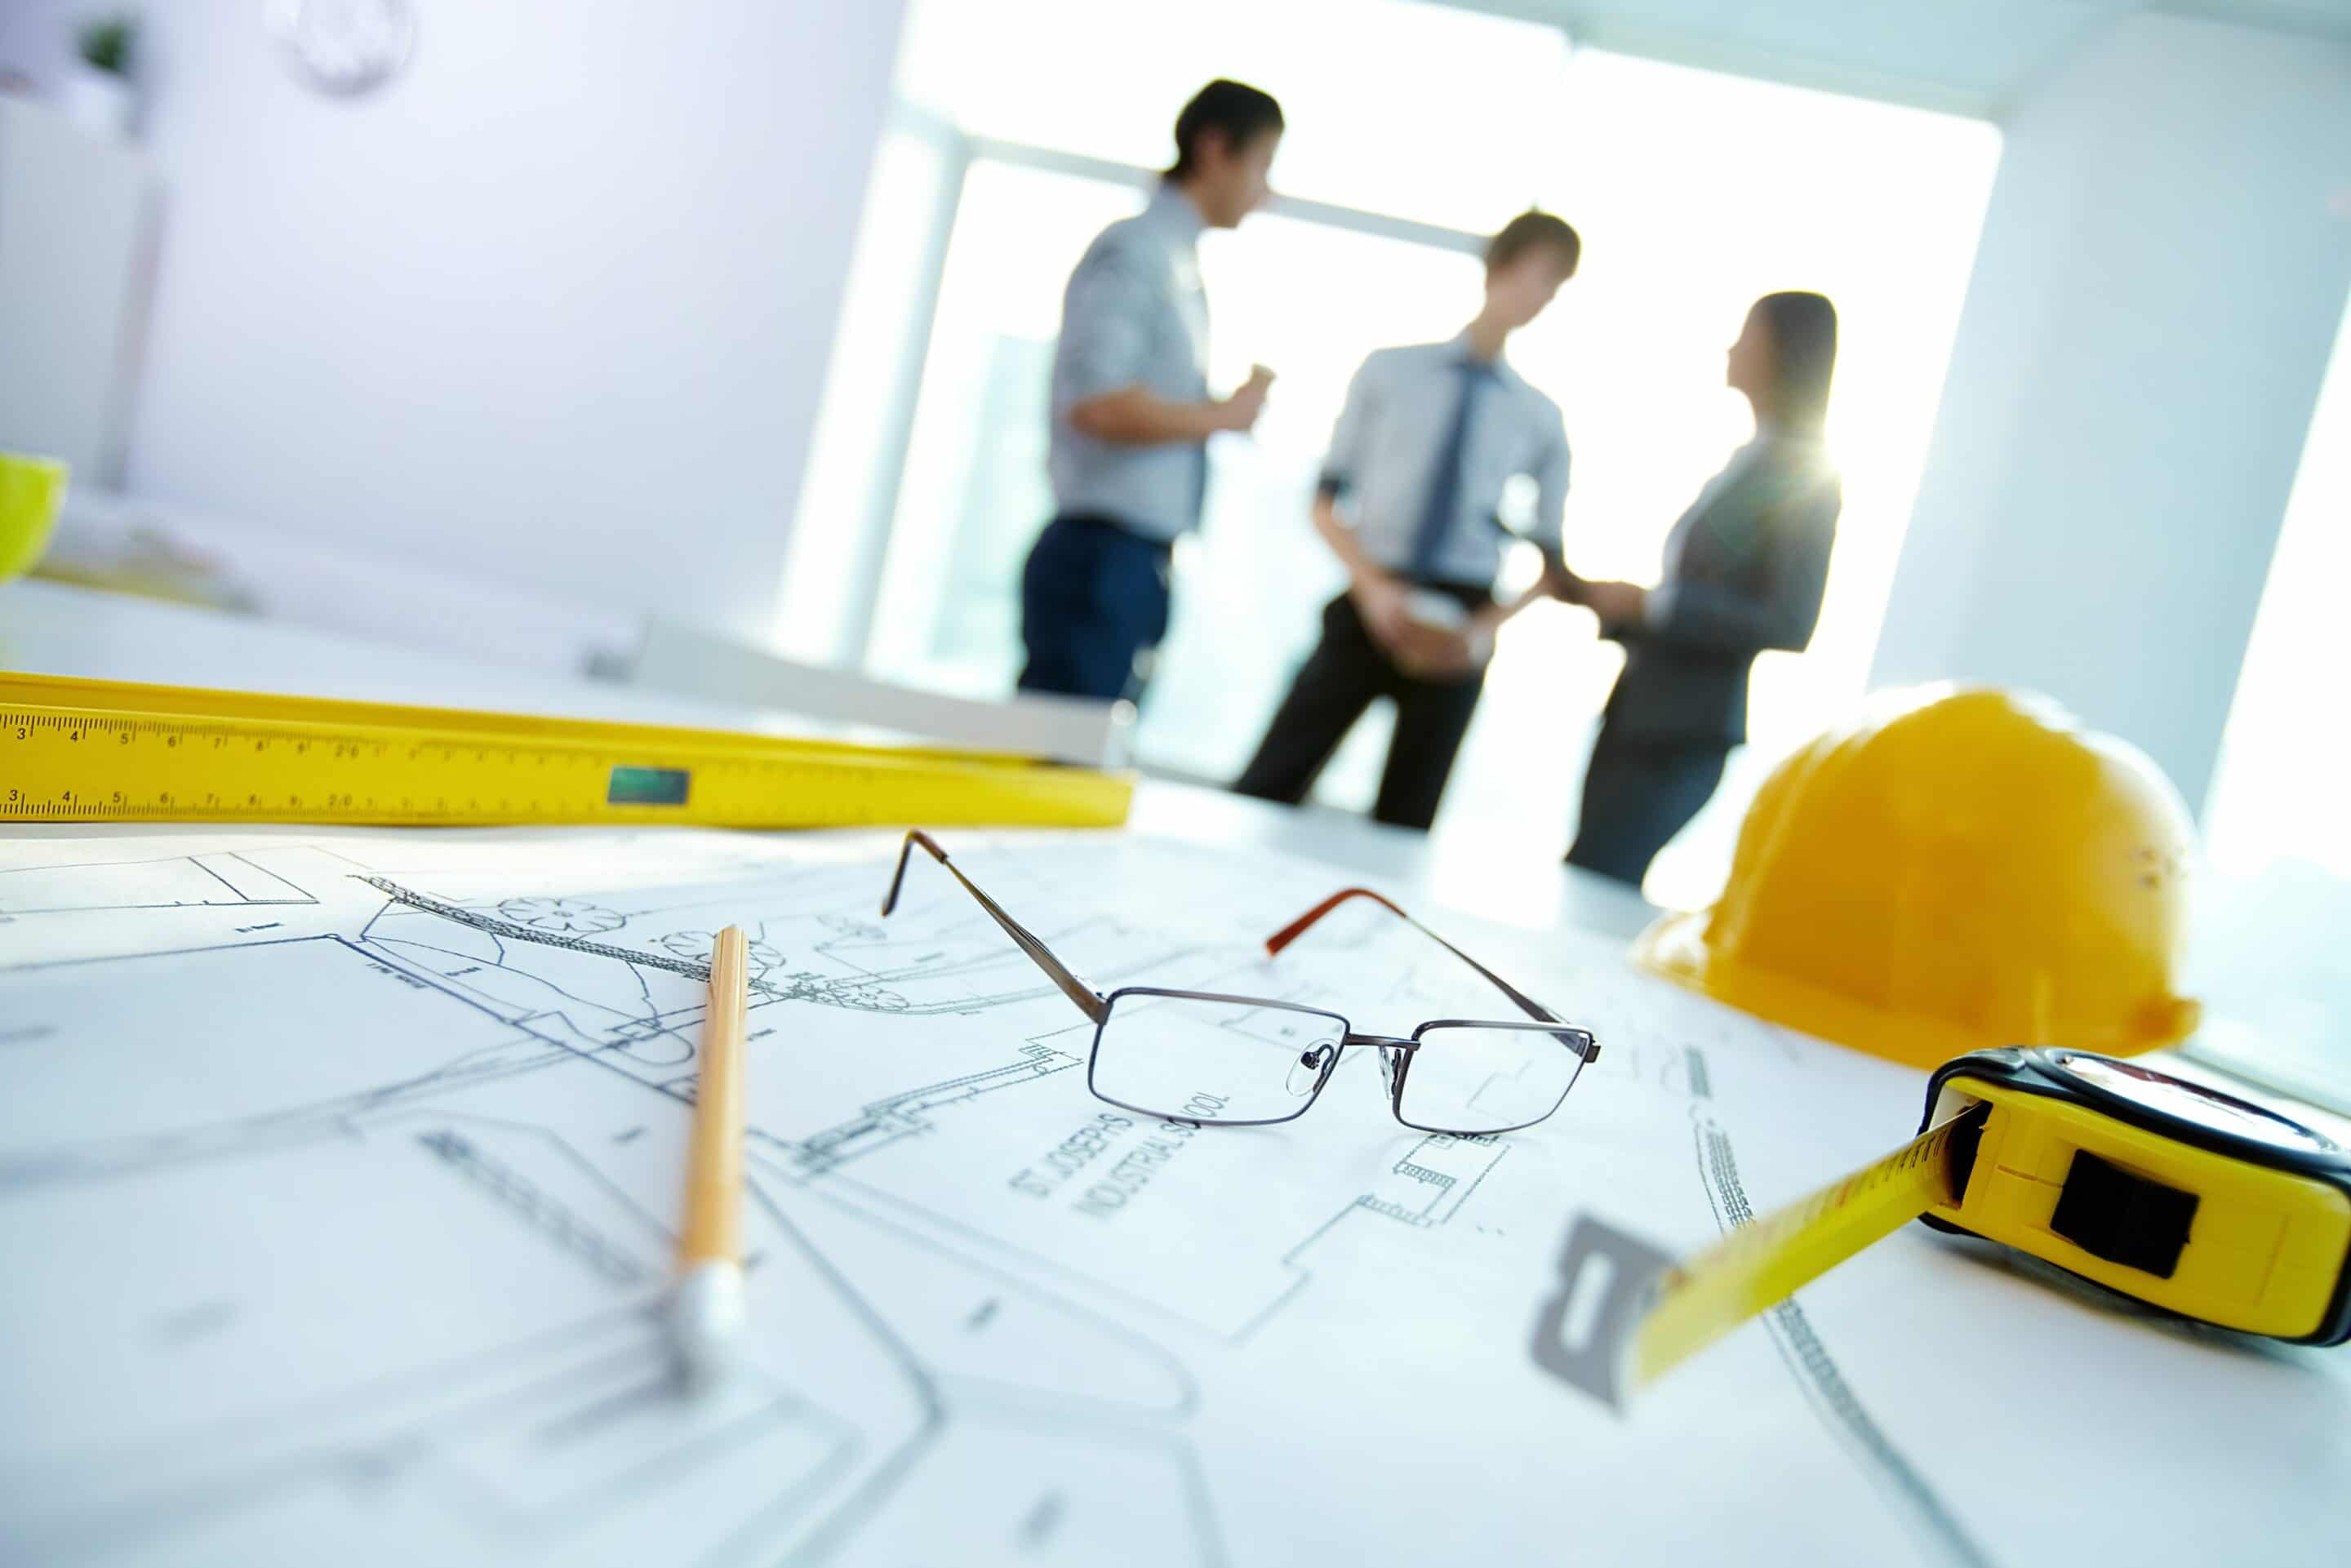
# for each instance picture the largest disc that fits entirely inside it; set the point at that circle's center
(98, 93)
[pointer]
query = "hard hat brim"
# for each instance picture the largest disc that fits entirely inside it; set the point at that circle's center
(1675, 947)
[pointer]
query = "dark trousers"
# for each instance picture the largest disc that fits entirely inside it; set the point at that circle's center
(1336, 684)
(1637, 794)
(1093, 605)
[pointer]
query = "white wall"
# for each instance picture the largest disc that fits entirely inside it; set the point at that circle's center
(77, 215)
(553, 308)
(2163, 264)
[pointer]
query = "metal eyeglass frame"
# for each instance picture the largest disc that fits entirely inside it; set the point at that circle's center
(1395, 1053)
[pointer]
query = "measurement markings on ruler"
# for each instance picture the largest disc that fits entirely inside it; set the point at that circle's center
(86, 750)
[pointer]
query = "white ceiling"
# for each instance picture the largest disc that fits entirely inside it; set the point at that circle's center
(1972, 55)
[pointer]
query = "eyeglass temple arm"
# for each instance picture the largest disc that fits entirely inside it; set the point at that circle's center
(1088, 1001)
(1300, 926)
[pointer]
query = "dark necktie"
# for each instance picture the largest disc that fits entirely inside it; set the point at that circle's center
(1444, 506)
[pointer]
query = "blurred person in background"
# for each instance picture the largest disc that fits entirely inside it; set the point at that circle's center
(1131, 410)
(1408, 503)
(1744, 571)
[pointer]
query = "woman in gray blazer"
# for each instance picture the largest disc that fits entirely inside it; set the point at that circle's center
(1744, 568)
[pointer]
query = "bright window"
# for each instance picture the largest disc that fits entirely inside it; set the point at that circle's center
(2277, 789)
(2267, 958)
(1420, 110)
(974, 491)
(826, 597)
(1770, 187)
(1693, 193)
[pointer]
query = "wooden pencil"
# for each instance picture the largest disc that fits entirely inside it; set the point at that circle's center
(707, 1309)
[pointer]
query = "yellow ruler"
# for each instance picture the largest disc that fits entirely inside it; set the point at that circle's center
(92, 752)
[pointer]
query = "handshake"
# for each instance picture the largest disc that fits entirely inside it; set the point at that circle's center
(1615, 603)
(1432, 638)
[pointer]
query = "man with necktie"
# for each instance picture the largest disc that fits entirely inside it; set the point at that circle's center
(1408, 502)
(1131, 415)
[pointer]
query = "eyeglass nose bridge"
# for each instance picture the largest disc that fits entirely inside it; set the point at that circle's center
(1395, 1054)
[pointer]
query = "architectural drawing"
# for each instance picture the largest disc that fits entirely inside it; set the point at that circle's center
(337, 1175)
(174, 882)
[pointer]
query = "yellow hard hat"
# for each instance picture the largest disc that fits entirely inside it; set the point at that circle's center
(1957, 869)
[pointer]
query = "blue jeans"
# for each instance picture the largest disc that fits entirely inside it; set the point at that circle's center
(1093, 602)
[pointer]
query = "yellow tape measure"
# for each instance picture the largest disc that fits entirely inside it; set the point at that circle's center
(2162, 1189)
(88, 751)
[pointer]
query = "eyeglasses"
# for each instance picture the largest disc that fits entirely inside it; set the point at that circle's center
(1248, 1062)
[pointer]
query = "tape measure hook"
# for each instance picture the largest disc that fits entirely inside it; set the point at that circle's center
(1584, 1334)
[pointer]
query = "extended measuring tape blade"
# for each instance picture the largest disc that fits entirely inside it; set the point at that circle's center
(1625, 1312)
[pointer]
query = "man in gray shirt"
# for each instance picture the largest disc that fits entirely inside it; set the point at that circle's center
(1408, 502)
(1131, 414)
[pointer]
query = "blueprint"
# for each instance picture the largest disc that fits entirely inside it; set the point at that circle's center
(338, 1173)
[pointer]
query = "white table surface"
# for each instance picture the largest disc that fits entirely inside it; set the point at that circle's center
(51, 629)
(56, 629)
